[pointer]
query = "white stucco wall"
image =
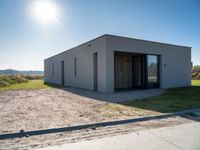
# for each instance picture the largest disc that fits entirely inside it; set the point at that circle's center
(84, 71)
(177, 72)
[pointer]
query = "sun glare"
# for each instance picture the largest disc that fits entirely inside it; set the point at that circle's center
(45, 11)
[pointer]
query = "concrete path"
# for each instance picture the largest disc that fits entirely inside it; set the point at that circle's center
(186, 136)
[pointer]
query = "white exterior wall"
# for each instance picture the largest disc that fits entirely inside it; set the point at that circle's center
(177, 72)
(84, 66)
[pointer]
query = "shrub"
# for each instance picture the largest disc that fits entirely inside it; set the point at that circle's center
(12, 79)
(16, 79)
(33, 77)
(196, 73)
(4, 83)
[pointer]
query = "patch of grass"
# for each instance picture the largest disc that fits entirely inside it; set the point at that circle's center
(97, 111)
(53, 85)
(173, 100)
(31, 84)
(115, 107)
(196, 82)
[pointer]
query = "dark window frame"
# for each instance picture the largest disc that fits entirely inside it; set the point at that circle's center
(75, 66)
(158, 71)
(62, 72)
(52, 69)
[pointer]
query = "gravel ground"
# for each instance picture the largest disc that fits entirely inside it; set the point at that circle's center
(49, 108)
(53, 108)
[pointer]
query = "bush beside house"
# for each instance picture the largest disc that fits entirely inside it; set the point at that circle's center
(196, 73)
(6, 80)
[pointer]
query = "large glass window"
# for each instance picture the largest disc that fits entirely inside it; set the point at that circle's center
(152, 71)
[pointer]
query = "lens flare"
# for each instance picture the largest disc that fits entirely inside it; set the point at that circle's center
(45, 11)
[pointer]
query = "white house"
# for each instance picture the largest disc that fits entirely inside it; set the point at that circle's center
(111, 63)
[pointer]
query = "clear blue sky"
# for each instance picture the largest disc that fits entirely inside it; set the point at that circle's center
(24, 42)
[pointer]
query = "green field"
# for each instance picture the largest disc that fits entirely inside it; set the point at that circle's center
(195, 82)
(31, 84)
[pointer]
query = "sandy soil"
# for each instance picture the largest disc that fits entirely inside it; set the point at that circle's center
(48, 108)
(53, 108)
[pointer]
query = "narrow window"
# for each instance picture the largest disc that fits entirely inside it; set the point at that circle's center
(95, 71)
(52, 69)
(75, 66)
(153, 71)
(62, 72)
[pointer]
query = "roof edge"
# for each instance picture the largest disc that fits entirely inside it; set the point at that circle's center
(147, 40)
(77, 46)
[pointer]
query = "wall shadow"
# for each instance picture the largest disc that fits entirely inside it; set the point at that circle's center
(117, 97)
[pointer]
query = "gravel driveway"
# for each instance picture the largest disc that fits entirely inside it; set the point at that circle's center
(48, 108)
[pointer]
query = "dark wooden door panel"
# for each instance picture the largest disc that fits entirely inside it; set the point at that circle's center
(123, 71)
(117, 71)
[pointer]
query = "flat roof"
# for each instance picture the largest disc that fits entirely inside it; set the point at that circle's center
(117, 36)
(145, 40)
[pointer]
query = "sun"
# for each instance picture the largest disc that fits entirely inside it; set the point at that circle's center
(45, 11)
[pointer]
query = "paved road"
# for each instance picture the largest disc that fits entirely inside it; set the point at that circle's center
(186, 136)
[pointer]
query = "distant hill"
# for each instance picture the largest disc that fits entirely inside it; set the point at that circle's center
(11, 71)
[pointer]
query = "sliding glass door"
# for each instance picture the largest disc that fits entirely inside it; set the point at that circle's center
(152, 71)
(133, 71)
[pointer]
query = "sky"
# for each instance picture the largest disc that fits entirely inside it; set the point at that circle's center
(26, 40)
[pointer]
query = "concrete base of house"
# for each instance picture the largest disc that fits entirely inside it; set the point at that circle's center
(120, 96)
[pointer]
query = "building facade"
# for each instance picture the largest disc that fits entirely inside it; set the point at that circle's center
(112, 63)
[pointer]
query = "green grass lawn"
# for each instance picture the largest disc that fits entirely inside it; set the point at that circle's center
(173, 100)
(31, 84)
(196, 82)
